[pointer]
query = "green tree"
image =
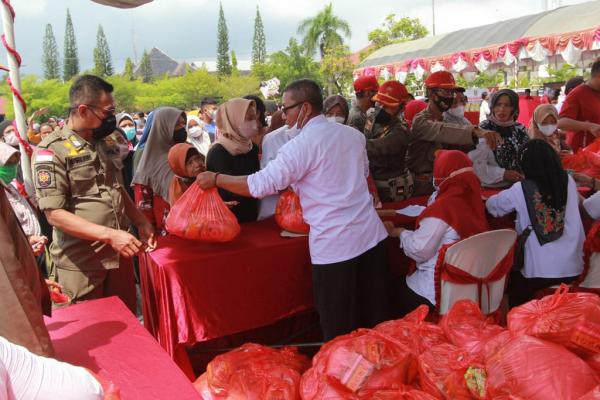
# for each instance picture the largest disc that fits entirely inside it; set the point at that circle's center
(223, 64)
(128, 71)
(395, 31)
(259, 42)
(50, 56)
(336, 68)
(321, 31)
(288, 65)
(102, 60)
(234, 64)
(71, 59)
(145, 70)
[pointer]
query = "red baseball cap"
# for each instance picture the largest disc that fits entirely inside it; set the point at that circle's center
(366, 83)
(391, 94)
(442, 80)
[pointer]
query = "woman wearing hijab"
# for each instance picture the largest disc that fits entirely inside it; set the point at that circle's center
(197, 136)
(500, 168)
(261, 119)
(153, 176)
(547, 203)
(456, 213)
(139, 148)
(544, 125)
(335, 109)
(127, 130)
(24, 210)
(186, 162)
(233, 153)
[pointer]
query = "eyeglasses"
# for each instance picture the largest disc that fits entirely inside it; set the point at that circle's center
(284, 110)
(109, 111)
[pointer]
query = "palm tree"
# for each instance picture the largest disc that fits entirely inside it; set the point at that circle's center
(322, 31)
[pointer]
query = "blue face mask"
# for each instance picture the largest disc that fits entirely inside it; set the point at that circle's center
(130, 132)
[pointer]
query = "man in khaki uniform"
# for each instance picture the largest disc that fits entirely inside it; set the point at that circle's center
(365, 88)
(430, 133)
(389, 140)
(79, 186)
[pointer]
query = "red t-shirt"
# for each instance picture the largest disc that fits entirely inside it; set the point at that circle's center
(582, 104)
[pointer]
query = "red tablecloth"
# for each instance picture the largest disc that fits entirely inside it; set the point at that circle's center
(103, 336)
(195, 291)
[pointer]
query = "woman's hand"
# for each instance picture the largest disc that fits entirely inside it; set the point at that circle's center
(391, 229)
(37, 244)
(583, 179)
(147, 236)
(231, 204)
(513, 176)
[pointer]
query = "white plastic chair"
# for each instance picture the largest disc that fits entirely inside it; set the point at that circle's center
(478, 256)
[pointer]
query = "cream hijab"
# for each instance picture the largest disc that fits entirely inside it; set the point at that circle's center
(153, 170)
(540, 113)
(229, 117)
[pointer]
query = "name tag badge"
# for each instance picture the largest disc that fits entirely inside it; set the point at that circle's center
(78, 160)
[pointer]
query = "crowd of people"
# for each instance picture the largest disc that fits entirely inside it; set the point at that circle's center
(105, 182)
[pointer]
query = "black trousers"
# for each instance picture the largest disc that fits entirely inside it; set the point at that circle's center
(406, 299)
(521, 289)
(354, 293)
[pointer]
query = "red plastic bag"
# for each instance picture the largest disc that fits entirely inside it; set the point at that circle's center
(253, 372)
(402, 393)
(442, 371)
(288, 213)
(202, 215)
(353, 364)
(594, 394)
(569, 319)
(534, 369)
(413, 331)
(466, 327)
(586, 160)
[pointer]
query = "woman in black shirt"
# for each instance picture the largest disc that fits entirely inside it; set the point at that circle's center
(233, 152)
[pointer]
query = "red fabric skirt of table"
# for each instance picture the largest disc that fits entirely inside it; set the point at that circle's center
(193, 291)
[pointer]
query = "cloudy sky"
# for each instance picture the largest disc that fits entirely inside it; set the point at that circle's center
(187, 29)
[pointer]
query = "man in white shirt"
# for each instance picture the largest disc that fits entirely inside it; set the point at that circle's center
(484, 109)
(270, 147)
(327, 166)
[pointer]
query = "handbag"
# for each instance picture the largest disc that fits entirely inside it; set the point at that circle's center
(519, 258)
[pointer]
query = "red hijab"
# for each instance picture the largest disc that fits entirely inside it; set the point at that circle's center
(412, 108)
(458, 202)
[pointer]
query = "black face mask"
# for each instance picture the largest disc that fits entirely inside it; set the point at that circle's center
(444, 103)
(107, 126)
(382, 117)
(180, 136)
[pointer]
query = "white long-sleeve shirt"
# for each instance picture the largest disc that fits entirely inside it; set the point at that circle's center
(271, 144)
(485, 166)
(26, 376)
(423, 246)
(558, 259)
(327, 166)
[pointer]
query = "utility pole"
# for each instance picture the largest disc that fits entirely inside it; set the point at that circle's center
(433, 15)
